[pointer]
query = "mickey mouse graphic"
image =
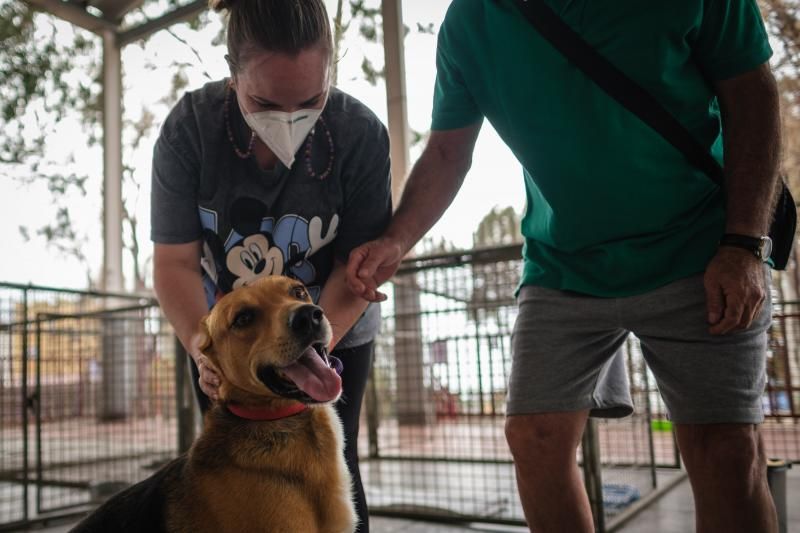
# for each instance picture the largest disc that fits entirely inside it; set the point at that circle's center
(259, 246)
(252, 259)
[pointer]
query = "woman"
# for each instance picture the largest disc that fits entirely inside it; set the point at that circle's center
(272, 172)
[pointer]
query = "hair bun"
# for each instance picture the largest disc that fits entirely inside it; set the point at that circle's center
(220, 5)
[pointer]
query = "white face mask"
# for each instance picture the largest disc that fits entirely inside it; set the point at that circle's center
(283, 132)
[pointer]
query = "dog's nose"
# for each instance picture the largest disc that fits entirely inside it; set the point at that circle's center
(305, 319)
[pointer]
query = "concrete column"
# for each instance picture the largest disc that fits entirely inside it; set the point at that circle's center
(394, 61)
(118, 366)
(414, 405)
(112, 279)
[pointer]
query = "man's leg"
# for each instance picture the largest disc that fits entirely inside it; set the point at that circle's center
(712, 386)
(564, 363)
(728, 472)
(549, 481)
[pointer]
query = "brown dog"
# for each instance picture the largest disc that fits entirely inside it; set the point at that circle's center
(270, 455)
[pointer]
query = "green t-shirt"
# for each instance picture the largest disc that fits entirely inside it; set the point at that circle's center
(612, 208)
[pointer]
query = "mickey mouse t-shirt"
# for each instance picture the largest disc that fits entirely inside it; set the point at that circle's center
(254, 223)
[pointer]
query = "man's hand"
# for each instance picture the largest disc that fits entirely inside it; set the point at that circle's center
(370, 265)
(734, 283)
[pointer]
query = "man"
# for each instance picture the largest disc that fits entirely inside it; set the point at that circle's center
(622, 234)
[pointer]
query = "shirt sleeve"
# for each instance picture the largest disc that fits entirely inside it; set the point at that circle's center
(731, 39)
(453, 104)
(174, 216)
(367, 188)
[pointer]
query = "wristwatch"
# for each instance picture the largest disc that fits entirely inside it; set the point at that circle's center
(761, 247)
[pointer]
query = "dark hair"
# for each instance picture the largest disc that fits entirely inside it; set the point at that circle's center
(286, 26)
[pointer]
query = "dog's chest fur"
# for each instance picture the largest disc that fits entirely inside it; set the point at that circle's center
(286, 475)
(283, 476)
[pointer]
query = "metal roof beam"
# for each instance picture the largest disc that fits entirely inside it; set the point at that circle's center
(148, 28)
(75, 15)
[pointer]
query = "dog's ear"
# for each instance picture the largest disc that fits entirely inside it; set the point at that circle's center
(203, 339)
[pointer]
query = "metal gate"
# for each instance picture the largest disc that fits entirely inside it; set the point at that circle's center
(87, 399)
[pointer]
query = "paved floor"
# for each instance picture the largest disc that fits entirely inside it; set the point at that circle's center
(674, 513)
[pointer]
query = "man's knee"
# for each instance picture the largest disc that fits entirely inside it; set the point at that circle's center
(554, 435)
(733, 447)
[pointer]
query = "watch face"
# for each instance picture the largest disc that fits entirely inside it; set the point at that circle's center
(766, 248)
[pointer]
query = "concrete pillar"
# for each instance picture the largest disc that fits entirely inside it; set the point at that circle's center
(394, 61)
(414, 404)
(117, 366)
(112, 279)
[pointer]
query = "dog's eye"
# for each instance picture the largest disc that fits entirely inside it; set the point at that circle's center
(243, 318)
(300, 293)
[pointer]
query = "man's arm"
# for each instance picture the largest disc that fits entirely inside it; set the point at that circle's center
(734, 279)
(433, 183)
(752, 131)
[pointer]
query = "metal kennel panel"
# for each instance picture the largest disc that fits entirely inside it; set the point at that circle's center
(436, 402)
(58, 446)
(104, 403)
(14, 441)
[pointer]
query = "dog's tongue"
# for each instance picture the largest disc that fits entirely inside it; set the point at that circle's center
(314, 377)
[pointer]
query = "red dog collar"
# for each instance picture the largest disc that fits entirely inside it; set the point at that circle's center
(264, 413)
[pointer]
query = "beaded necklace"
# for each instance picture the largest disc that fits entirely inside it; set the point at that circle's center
(249, 152)
(331, 152)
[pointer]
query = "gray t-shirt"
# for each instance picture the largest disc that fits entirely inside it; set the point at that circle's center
(254, 223)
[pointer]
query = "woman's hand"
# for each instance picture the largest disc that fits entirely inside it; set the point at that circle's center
(209, 374)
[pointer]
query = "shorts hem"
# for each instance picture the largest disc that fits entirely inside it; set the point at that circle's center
(596, 410)
(721, 416)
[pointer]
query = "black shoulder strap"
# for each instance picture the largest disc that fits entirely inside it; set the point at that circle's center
(619, 86)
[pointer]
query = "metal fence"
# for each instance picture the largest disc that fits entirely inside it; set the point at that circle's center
(434, 446)
(90, 401)
(87, 398)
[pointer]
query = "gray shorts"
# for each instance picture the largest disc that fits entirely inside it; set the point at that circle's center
(566, 355)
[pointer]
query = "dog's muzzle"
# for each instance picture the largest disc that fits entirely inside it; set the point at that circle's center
(313, 378)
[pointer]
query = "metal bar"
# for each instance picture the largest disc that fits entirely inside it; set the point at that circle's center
(184, 399)
(649, 417)
(479, 371)
(148, 28)
(627, 515)
(100, 313)
(10, 477)
(592, 476)
(24, 525)
(373, 418)
(446, 460)
(512, 252)
(24, 407)
(470, 521)
(73, 14)
(449, 460)
(78, 292)
(787, 385)
(38, 411)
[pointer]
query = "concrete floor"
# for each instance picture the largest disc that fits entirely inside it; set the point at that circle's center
(674, 513)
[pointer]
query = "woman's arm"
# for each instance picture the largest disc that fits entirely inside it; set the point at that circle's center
(341, 306)
(179, 288)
